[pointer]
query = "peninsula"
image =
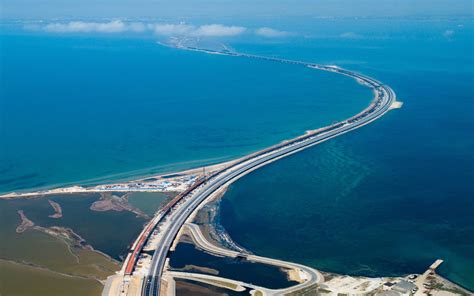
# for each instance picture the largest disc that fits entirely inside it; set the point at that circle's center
(145, 274)
(142, 274)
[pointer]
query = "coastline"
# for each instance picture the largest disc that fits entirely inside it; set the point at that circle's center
(333, 283)
(157, 170)
(189, 201)
(170, 175)
(77, 189)
(206, 219)
(125, 177)
(65, 234)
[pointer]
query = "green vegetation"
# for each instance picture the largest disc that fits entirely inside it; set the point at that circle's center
(190, 267)
(231, 286)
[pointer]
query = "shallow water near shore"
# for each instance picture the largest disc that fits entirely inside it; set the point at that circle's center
(82, 109)
(110, 232)
(387, 199)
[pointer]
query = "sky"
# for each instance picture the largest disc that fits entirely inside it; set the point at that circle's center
(47, 9)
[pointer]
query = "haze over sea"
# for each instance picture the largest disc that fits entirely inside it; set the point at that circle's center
(386, 199)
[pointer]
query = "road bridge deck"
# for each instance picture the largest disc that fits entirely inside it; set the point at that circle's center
(183, 206)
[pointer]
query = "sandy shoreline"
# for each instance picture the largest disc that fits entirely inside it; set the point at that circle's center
(172, 175)
(206, 218)
(124, 177)
(151, 183)
(150, 179)
(58, 212)
(212, 235)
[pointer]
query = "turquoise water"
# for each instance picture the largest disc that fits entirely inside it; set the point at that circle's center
(82, 109)
(387, 199)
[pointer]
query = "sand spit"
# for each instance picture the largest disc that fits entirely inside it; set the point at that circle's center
(174, 181)
(191, 267)
(396, 105)
(67, 235)
(25, 223)
(110, 202)
(58, 212)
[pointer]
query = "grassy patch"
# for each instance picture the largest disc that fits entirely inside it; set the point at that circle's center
(224, 284)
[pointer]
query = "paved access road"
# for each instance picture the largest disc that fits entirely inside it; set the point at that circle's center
(384, 98)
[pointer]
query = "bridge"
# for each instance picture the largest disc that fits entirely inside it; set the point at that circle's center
(168, 221)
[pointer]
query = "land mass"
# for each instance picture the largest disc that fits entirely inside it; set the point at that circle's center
(111, 202)
(186, 182)
(58, 212)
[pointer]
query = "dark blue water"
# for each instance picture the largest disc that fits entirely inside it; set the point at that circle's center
(392, 197)
(83, 109)
(182, 291)
(240, 270)
(387, 199)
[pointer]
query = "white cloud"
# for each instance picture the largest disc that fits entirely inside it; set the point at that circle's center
(75, 27)
(216, 30)
(350, 35)
(118, 26)
(270, 33)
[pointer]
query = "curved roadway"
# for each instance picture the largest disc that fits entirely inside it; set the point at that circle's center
(312, 276)
(384, 98)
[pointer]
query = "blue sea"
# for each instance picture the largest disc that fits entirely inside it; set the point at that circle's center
(387, 199)
(394, 196)
(82, 109)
